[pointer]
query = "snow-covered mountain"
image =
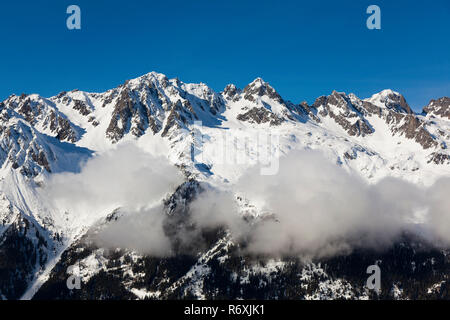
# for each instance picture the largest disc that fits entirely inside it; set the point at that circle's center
(374, 138)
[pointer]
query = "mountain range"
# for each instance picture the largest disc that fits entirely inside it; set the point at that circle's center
(42, 138)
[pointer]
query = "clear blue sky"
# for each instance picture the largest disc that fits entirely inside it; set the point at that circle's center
(303, 48)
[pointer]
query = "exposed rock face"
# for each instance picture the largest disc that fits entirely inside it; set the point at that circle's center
(397, 103)
(439, 158)
(179, 114)
(159, 104)
(439, 107)
(62, 127)
(260, 115)
(392, 101)
(410, 126)
(120, 120)
(413, 128)
(38, 111)
(259, 103)
(135, 111)
(231, 92)
(260, 88)
(349, 116)
(23, 148)
(81, 107)
(30, 151)
(395, 111)
(353, 115)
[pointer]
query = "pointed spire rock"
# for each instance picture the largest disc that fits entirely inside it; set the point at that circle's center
(231, 92)
(259, 87)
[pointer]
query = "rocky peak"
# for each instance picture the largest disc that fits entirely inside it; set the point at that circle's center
(340, 108)
(259, 88)
(339, 99)
(439, 107)
(25, 149)
(305, 106)
(391, 100)
(151, 78)
(41, 112)
(156, 102)
(231, 92)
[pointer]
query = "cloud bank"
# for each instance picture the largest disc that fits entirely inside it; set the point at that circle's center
(323, 210)
(319, 208)
(140, 230)
(125, 177)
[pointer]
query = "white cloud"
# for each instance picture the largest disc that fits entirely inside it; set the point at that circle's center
(141, 230)
(438, 199)
(126, 177)
(323, 210)
(320, 209)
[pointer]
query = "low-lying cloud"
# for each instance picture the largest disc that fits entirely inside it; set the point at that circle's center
(438, 199)
(125, 177)
(319, 208)
(142, 231)
(322, 210)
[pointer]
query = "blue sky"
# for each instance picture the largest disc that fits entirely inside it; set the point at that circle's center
(303, 48)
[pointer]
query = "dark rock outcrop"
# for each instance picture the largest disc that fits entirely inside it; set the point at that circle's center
(260, 115)
(439, 107)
